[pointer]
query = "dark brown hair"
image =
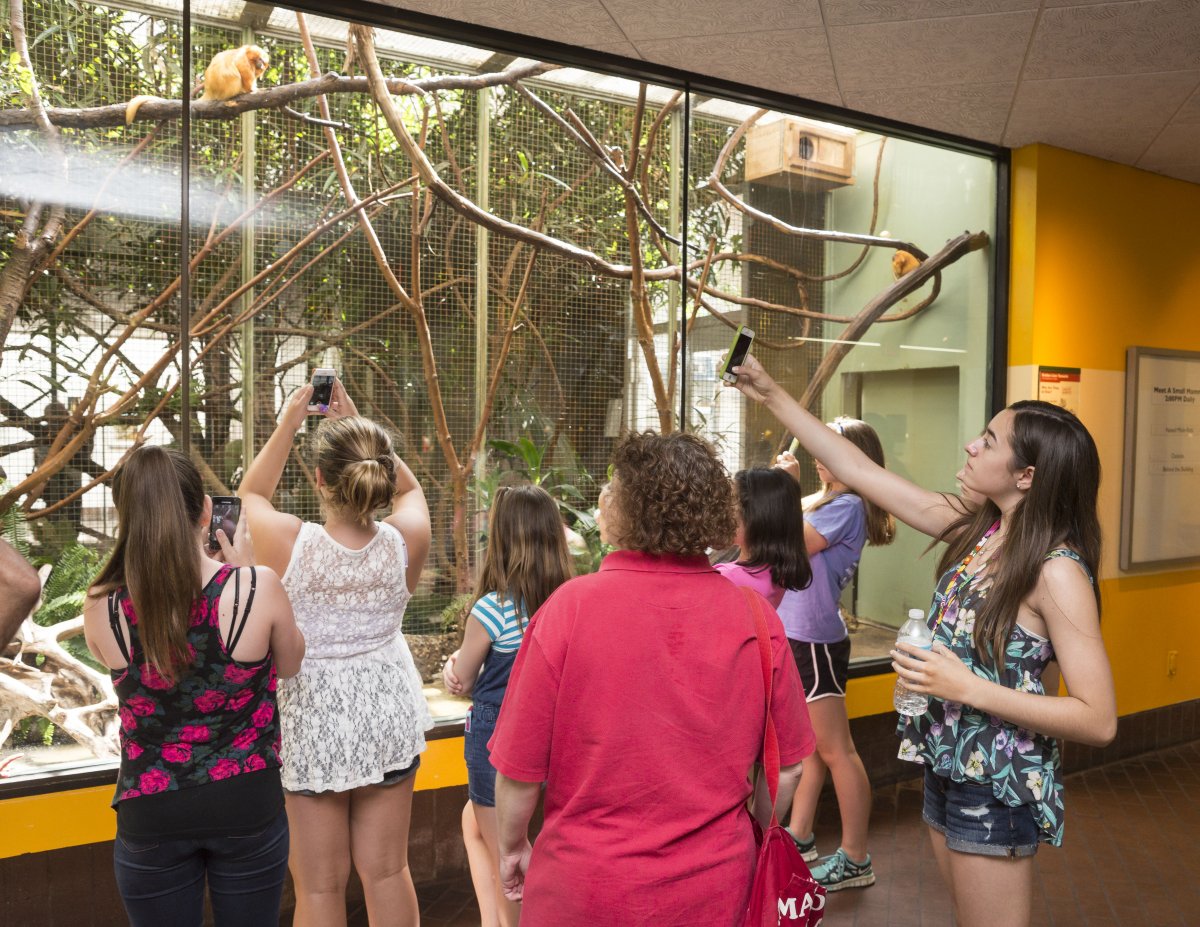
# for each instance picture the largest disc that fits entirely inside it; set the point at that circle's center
(671, 493)
(881, 527)
(1058, 510)
(160, 500)
(358, 465)
(527, 556)
(773, 525)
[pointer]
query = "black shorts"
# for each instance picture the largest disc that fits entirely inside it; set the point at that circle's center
(823, 667)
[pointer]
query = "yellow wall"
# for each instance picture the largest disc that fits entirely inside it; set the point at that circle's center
(1105, 257)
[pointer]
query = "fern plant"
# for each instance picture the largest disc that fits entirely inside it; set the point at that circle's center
(66, 586)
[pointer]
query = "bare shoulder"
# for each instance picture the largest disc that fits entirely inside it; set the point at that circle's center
(1064, 595)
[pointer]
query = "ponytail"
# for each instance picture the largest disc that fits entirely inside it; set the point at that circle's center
(159, 499)
(358, 463)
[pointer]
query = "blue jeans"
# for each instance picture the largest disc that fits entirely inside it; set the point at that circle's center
(162, 881)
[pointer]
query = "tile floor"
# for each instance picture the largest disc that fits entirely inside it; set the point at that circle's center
(1131, 856)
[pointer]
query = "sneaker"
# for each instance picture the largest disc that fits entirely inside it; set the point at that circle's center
(807, 846)
(839, 871)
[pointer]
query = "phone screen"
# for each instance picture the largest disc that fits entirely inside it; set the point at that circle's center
(322, 389)
(225, 513)
(737, 354)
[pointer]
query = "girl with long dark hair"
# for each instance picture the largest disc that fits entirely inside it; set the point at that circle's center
(1017, 591)
(194, 645)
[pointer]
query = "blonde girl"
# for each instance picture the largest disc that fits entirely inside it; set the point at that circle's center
(354, 718)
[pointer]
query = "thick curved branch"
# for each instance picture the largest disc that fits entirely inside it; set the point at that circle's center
(954, 249)
(157, 109)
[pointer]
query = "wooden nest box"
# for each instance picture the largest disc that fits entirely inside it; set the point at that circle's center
(798, 153)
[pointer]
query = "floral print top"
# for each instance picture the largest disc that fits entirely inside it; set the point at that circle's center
(218, 720)
(966, 745)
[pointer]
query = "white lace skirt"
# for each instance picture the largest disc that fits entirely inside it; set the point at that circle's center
(346, 722)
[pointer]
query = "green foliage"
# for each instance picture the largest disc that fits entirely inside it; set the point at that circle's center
(13, 527)
(66, 586)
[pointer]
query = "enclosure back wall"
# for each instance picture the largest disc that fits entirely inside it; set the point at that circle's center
(489, 251)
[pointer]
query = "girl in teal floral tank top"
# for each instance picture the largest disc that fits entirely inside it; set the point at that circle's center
(1016, 592)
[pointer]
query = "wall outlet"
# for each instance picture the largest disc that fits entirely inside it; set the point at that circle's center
(1172, 662)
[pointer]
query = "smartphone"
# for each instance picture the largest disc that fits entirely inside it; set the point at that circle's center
(225, 514)
(742, 339)
(322, 383)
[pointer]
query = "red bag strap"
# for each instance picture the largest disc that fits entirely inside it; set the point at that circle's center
(770, 748)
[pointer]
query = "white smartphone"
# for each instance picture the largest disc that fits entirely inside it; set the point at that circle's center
(742, 339)
(322, 383)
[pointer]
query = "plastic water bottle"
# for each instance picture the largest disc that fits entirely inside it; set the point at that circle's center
(915, 632)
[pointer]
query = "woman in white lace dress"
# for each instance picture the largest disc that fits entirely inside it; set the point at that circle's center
(354, 719)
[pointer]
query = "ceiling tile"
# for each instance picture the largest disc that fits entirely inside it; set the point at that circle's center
(578, 22)
(931, 52)
(1174, 152)
(1115, 38)
(1109, 117)
(976, 111)
(850, 12)
(625, 49)
(795, 62)
(662, 19)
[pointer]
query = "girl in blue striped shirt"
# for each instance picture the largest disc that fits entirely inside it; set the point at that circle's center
(526, 560)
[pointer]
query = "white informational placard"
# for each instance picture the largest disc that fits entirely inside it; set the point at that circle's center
(1160, 505)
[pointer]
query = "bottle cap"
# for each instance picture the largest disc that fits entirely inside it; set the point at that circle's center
(916, 613)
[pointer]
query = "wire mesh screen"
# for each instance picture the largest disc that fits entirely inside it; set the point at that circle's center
(488, 251)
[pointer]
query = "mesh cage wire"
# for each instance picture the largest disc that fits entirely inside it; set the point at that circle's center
(571, 344)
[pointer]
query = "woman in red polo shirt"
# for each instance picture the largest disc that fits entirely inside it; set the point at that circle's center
(637, 698)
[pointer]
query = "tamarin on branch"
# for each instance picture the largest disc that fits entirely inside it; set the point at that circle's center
(230, 74)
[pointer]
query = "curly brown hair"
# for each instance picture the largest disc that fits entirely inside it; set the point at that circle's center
(671, 493)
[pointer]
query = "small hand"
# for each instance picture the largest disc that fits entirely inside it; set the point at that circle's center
(296, 410)
(241, 552)
(753, 380)
(937, 672)
(513, 867)
(788, 463)
(452, 682)
(341, 405)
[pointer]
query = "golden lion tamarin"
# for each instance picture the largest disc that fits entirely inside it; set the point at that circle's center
(233, 72)
(904, 263)
(230, 74)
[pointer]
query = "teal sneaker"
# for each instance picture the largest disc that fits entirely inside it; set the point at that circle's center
(807, 846)
(839, 871)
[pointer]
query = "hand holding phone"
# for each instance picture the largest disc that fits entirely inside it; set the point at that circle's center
(322, 384)
(742, 339)
(226, 510)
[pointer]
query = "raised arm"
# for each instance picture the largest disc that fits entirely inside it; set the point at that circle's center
(410, 516)
(274, 532)
(19, 591)
(925, 510)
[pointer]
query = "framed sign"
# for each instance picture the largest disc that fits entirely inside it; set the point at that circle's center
(1160, 500)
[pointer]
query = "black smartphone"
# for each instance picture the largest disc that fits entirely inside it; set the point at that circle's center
(742, 339)
(322, 383)
(225, 514)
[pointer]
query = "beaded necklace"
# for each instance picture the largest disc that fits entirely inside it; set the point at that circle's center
(942, 600)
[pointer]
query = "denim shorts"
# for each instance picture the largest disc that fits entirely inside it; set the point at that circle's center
(481, 774)
(975, 821)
